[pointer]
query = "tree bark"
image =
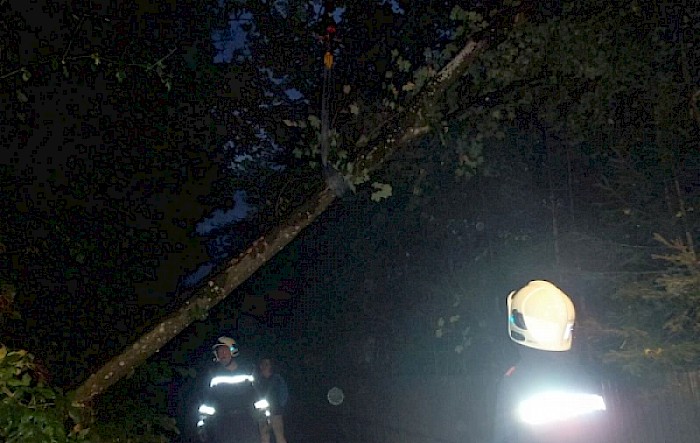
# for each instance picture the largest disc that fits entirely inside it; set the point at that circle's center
(242, 267)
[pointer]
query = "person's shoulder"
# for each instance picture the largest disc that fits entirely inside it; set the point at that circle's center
(211, 371)
(245, 364)
(278, 377)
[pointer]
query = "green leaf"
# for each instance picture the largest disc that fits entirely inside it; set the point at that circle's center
(383, 191)
(22, 97)
(315, 122)
(457, 13)
(121, 75)
(362, 141)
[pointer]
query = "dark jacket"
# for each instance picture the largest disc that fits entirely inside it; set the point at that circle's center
(535, 373)
(232, 396)
(230, 391)
(274, 390)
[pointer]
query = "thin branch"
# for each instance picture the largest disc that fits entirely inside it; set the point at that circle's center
(223, 282)
(70, 42)
(65, 59)
(684, 216)
(694, 106)
(157, 62)
(10, 74)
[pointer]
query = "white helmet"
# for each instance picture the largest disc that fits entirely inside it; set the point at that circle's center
(541, 316)
(228, 342)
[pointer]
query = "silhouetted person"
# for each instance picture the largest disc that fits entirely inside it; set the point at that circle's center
(272, 387)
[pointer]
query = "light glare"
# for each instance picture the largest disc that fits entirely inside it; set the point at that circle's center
(556, 406)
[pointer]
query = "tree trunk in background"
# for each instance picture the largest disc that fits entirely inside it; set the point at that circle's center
(217, 288)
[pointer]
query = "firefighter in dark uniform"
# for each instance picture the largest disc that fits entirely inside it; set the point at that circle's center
(547, 396)
(227, 412)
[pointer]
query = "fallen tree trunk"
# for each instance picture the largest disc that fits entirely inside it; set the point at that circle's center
(409, 128)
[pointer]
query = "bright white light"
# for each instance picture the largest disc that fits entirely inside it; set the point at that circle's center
(267, 413)
(200, 423)
(262, 404)
(208, 410)
(556, 406)
(230, 379)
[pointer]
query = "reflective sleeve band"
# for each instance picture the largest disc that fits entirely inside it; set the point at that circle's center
(208, 410)
(230, 379)
(549, 407)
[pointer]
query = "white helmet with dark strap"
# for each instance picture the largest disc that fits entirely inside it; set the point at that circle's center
(228, 342)
(541, 316)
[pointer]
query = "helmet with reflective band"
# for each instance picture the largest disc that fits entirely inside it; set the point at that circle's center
(229, 343)
(541, 316)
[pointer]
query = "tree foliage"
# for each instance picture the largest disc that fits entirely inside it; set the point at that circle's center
(654, 324)
(33, 411)
(108, 169)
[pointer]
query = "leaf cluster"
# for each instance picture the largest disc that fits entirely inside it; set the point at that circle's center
(32, 411)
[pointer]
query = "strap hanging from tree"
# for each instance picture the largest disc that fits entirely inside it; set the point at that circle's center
(328, 38)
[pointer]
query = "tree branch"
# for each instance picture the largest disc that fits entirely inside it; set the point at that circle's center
(247, 263)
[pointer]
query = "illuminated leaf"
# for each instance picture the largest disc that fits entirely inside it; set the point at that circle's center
(315, 122)
(362, 141)
(383, 191)
(22, 97)
(403, 65)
